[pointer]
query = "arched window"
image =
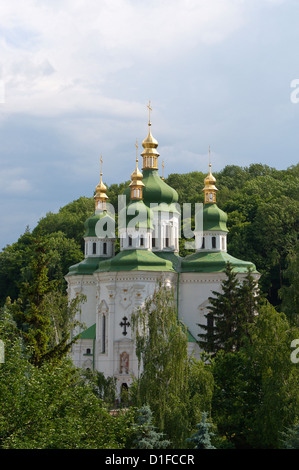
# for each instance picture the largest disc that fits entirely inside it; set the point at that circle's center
(94, 248)
(130, 240)
(141, 240)
(203, 242)
(105, 248)
(103, 333)
(213, 242)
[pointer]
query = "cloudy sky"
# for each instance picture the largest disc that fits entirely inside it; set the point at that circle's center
(76, 77)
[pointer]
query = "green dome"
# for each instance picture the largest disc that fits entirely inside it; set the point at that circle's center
(136, 209)
(135, 260)
(214, 219)
(91, 222)
(156, 190)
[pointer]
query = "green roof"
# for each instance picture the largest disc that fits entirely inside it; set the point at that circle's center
(174, 258)
(87, 266)
(89, 333)
(210, 262)
(135, 260)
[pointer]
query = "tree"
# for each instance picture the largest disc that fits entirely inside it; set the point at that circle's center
(161, 348)
(51, 407)
(289, 293)
(231, 311)
(43, 314)
(146, 436)
(174, 386)
(256, 388)
(290, 437)
(202, 438)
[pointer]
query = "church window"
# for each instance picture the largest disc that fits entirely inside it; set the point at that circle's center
(153, 242)
(213, 242)
(167, 236)
(105, 248)
(94, 248)
(203, 242)
(130, 240)
(103, 333)
(88, 351)
(141, 240)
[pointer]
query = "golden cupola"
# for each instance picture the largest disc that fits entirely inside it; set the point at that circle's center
(100, 196)
(136, 184)
(150, 154)
(210, 188)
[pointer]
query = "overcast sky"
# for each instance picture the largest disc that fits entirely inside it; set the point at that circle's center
(76, 77)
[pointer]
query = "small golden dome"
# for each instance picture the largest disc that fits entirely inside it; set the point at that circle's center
(136, 184)
(100, 193)
(210, 188)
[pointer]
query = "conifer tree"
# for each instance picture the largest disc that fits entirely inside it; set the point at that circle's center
(202, 438)
(146, 435)
(230, 313)
(34, 314)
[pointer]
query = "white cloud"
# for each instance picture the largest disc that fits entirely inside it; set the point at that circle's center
(12, 182)
(57, 56)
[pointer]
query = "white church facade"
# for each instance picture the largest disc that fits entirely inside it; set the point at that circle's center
(114, 285)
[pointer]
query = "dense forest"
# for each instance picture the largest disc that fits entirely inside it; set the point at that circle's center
(241, 397)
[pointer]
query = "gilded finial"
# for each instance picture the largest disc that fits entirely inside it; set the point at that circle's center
(210, 188)
(136, 145)
(100, 195)
(101, 172)
(136, 184)
(163, 170)
(150, 144)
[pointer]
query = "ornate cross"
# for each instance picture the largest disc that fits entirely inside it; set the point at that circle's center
(124, 324)
(136, 145)
(101, 160)
(149, 110)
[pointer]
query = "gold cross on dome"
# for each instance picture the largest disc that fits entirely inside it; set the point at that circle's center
(136, 145)
(149, 110)
(101, 160)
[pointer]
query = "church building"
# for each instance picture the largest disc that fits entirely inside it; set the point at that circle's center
(114, 285)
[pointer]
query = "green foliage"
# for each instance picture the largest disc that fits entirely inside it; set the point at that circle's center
(231, 311)
(290, 437)
(103, 387)
(170, 383)
(51, 407)
(202, 438)
(146, 436)
(289, 293)
(43, 314)
(256, 388)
